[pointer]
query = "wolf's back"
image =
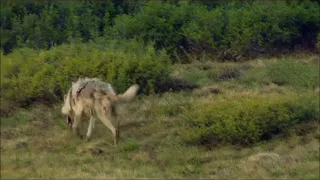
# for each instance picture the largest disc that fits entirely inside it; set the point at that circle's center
(88, 86)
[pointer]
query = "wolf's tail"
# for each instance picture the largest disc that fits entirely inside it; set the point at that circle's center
(130, 93)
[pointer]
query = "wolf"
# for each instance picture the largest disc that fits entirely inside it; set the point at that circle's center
(95, 99)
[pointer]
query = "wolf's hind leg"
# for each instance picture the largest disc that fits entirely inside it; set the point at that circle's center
(108, 123)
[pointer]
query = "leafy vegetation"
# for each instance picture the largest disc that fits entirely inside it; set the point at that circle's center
(247, 119)
(29, 76)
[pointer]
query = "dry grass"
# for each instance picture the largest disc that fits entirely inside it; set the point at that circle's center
(64, 157)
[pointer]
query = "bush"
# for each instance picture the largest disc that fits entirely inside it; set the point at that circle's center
(251, 28)
(46, 76)
(186, 29)
(157, 22)
(246, 120)
(205, 30)
(231, 32)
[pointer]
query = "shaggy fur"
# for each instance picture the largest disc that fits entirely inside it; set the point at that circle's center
(95, 99)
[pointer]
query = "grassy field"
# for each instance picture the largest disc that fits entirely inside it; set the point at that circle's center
(35, 142)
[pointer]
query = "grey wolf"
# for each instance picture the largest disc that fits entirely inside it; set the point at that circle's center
(95, 99)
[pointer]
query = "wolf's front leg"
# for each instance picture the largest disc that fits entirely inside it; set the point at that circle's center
(90, 128)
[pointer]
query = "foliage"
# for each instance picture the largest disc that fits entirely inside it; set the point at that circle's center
(42, 25)
(247, 119)
(28, 76)
(231, 30)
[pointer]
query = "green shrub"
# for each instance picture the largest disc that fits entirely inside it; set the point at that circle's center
(46, 76)
(250, 28)
(186, 29)
(159, 22)
(231, 32)
(294, 74)
(246, 120)
(205, 31)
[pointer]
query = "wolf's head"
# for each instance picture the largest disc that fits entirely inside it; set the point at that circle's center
(67, 109)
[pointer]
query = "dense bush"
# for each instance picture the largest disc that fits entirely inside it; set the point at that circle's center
(247, 119)
(231, 30)
(158, 22)
(254, 28)
(38, 24)
(28, 75)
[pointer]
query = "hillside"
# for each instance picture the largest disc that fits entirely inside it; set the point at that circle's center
(229, 88)
(155, 143)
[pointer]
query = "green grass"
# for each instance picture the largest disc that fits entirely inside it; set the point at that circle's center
(294, 74)
(36, 143)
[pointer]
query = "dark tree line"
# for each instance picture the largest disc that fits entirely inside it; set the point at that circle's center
(43, 24)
